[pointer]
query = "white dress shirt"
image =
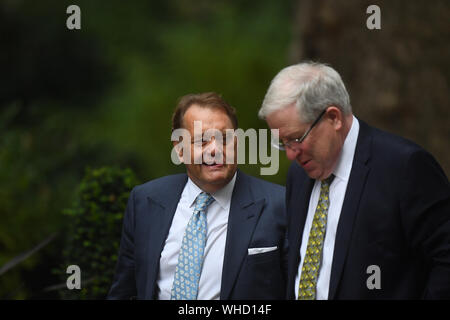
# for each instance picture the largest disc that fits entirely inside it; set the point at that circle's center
(217, 222)
(336, 196)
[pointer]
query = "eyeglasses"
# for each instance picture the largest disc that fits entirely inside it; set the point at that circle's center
(295, 143)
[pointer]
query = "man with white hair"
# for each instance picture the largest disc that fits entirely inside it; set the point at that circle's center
(369, 212)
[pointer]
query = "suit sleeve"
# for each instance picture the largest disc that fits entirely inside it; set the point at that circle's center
(284, 258)
(284, 245)
(425, 207)
(124, 283)
(289, 182)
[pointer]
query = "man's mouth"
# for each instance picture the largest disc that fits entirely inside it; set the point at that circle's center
(303, 163)
(213, 165)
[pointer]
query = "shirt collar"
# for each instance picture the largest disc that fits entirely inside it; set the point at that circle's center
(344, 165)
(222, 196)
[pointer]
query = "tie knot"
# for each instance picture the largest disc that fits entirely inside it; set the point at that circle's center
(203, 201)
(327, 182)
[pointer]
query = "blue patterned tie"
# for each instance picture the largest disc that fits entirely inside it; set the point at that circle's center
(190, 259)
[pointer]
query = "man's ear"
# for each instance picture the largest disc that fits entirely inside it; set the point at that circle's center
(336, 116)
(178, 146)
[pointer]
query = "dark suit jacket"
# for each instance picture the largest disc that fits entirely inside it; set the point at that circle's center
(257, 219)
(396, 215)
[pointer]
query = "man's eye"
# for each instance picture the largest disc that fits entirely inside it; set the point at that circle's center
(201, 142)
(204, 142)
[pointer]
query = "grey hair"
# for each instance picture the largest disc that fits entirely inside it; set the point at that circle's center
(311, 86)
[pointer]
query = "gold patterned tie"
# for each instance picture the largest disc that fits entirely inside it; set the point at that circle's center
(313, 255)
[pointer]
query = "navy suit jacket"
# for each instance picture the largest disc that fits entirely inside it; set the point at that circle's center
(257, 219)
(395, 215)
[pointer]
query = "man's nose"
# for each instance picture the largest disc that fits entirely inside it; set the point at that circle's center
(213, 147)
(292, 154)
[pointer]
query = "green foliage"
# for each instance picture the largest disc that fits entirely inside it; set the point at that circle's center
(94, 230)
(104, 96)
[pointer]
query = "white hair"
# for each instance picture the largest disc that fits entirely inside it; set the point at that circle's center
(311, 86)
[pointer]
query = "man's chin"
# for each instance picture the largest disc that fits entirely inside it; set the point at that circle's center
(313, 173)
(217, 174)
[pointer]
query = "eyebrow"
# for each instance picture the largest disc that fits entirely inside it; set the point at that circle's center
(294, 135)
(223, 132)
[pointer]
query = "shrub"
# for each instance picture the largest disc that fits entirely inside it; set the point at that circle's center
(94, 230)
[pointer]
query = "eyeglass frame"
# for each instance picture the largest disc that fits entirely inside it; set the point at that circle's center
(282, 145)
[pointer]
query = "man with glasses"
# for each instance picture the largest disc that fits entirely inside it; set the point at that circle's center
(211, 233)
(368, 212)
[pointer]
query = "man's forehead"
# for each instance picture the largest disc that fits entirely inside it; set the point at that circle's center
(214, 131)
(212, 120)
(286, 119)
(203, 125)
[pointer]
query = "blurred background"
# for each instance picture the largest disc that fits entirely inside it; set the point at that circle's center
(85, 114)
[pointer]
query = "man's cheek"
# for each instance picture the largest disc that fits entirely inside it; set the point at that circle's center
(196, 156)
(230, 154)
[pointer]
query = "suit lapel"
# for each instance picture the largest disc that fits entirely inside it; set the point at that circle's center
(350, 206)
(298, 210)
(160, 212)
(243, 216)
